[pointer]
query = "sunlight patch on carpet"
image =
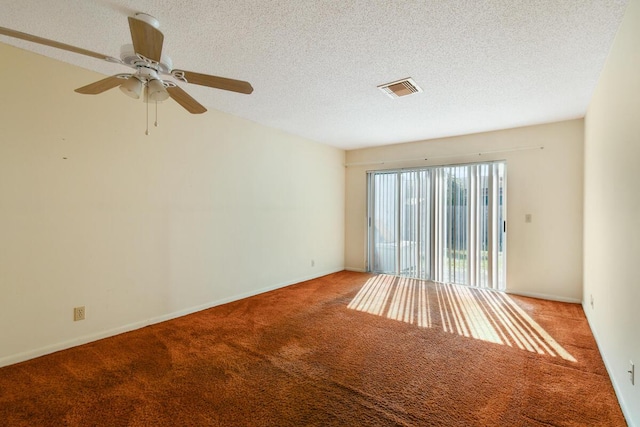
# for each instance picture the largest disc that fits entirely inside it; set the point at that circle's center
(470, 312)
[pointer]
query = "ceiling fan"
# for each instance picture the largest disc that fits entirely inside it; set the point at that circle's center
(146, 58)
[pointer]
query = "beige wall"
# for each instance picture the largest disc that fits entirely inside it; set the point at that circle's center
(544, 257)
(207, 209)
(612, 212)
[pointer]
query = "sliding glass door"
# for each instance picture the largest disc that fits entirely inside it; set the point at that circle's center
(445, 224)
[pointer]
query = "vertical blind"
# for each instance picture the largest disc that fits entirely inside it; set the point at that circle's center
(445, 224)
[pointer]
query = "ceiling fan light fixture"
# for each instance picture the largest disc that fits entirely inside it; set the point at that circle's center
(132, 87)
(157, 91)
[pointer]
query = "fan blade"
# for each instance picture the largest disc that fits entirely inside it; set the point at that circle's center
(101, 85)
(184, 99)
(52, 43)
(213, 81)
(147, 40)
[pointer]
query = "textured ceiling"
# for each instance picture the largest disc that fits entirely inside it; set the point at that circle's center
(315, 65)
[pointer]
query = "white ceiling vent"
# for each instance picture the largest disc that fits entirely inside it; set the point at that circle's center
(400, 88)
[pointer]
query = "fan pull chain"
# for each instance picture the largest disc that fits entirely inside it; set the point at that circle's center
(156, 123)
(146, 98)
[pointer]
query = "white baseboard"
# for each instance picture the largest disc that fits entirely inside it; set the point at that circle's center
(607, 365)
(357, 270)
(545, 296)
(85, 339)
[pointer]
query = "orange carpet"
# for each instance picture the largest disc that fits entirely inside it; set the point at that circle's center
(348, 349)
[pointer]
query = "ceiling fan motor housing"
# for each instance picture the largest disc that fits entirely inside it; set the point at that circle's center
(129, 57)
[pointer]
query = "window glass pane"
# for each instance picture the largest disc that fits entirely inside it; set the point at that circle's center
(385, 223)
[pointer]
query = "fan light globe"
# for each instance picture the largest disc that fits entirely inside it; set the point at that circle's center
(157, 91)
(132, 87)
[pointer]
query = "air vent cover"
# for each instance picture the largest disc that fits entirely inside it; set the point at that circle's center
(400, 88)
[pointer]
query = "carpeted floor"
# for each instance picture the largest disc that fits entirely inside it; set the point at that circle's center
(348, 349)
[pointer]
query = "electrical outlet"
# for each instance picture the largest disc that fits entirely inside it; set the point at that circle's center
(632, 372)
(78, 313)
(313, 263)
(591, 301)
